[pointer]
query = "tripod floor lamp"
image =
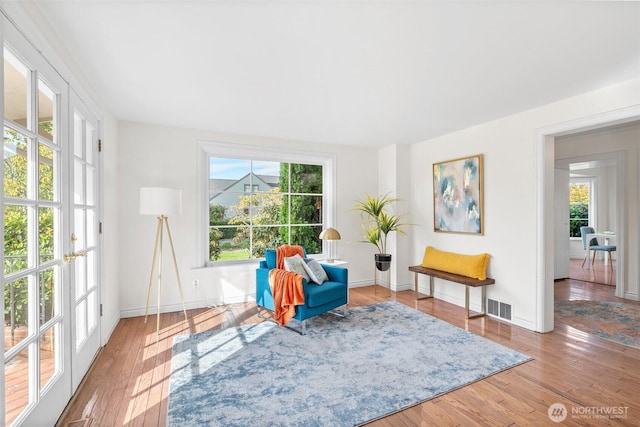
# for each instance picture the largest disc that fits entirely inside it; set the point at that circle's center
(161, 202)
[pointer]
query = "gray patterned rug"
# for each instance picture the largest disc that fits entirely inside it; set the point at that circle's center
(378, 360)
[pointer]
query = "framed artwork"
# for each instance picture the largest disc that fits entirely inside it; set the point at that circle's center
(457, 196)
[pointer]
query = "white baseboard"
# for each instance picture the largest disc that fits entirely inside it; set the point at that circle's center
(108, 331)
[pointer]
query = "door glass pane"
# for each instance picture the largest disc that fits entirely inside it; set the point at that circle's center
(91, 270)
(92, 314)
(16, 312)
(81, 323)
(45, 172)
(48, 291)
(90, 135)
(90, 186)
(48, 353)
(46, 235)
(79, 227)
(91, 227)
(16, 180)
(16, 387)
(46, 111)
(80, 277)
(15, 89)
(16, 241)
(78, 181)
(77, 136)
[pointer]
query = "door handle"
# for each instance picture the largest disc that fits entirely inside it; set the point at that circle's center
(73, 255)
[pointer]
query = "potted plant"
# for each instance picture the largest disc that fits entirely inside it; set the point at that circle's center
(378, 224)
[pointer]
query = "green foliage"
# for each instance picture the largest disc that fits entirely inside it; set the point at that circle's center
(262, 220)
(578, 208)
(214, 243)
(578, 217)
(378, 223)
(257, 209)
(16, 229)
(303, 207)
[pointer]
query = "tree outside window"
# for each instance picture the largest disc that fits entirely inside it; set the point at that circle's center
(257, 205)
(579, 207)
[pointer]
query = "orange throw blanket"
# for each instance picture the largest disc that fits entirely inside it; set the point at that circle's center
(286, 251)
(286, 286)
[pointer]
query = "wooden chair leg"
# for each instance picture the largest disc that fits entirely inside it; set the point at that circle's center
(594, 257)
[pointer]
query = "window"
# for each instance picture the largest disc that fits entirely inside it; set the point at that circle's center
(259, 199)
(247, 188)
(580, 206)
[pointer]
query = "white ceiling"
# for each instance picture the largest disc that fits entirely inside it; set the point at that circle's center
(360, 73)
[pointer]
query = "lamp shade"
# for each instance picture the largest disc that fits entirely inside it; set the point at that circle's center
(160, 201)
(330, 234)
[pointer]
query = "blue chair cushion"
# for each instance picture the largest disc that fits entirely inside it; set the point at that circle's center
(317, 295)
(607, 248)
(270, 257)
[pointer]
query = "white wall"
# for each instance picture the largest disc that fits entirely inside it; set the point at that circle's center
(164, 156)
(509, 146)
(393, 179)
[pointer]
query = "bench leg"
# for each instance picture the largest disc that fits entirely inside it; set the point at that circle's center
(483, 304)
(415, 283)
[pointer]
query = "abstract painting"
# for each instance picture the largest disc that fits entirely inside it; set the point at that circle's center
(457, 196)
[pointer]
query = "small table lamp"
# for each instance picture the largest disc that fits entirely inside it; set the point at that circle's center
(161, 202)
(330, 234)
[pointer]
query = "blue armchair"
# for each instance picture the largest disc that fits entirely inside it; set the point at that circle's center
(318, 299)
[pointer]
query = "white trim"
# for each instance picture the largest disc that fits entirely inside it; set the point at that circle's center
(205, 149)
(545, 140)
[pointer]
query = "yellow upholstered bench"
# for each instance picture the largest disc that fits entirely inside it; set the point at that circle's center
(468, 270)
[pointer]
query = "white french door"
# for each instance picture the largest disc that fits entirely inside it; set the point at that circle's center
(50, 238)
(83, 255)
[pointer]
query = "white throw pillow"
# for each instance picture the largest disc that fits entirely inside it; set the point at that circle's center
(316, 272)
(296, 264)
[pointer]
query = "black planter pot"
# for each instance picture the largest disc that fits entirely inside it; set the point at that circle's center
(383, 261)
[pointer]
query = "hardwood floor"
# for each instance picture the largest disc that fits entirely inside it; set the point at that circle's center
(128, 383)
(598, 273)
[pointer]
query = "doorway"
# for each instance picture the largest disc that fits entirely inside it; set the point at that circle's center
(545, 149)
(586, 195)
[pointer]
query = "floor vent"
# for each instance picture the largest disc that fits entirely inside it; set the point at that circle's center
(500, 309)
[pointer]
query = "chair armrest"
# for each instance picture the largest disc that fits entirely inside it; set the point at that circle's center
(262, 281)
(336, 273)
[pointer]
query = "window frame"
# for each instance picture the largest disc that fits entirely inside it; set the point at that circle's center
(206, 149)
(591, 182)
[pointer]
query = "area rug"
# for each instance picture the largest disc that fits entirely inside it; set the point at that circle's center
(378, 360)
(614, 321)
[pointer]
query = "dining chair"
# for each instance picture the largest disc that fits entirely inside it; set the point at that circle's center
(594, 246)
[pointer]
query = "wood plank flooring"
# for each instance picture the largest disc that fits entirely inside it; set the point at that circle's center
(598, 273)
(128, 383)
